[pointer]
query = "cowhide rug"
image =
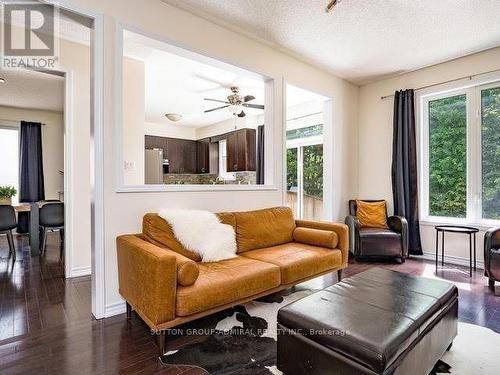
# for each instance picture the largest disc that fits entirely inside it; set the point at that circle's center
(242, 340)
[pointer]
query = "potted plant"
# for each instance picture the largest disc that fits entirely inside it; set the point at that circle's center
(6, 194)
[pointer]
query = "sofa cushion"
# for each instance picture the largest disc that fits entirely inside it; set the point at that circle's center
(298, 261)
(316, 237)
(158, 231)
(227, 281)
(264, 228)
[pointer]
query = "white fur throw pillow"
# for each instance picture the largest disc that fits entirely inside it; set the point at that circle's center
(202, 233)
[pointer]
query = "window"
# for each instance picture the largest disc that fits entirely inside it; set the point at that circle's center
(447, 156)
(223, 173)
(461, 154)
(9, 167)
(490, 152)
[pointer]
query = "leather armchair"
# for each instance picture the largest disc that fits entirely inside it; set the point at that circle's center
(377, 243)
(492, 256)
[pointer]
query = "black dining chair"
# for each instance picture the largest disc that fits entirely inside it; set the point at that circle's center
(51, 219)
(7, 223)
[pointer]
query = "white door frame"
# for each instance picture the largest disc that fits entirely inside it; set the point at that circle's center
(328, 151)
(96, 156)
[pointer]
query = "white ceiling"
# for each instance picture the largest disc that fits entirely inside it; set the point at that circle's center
(362, 40)
(30, 89)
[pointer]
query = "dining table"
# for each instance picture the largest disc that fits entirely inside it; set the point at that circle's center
(33, 209)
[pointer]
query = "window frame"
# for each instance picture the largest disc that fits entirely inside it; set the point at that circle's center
(472, 90)
(17, 129)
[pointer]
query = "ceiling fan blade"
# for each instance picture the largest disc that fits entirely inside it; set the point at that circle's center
(256, 106)
(248, 98)
(215, 109)
(241, 114)
(216, 100)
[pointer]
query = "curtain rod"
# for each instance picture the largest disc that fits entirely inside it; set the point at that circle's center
(15, 121)
(469, 77)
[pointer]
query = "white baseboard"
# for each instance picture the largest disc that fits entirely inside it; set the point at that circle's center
(80, 271)
(450, 259)
(115, 309)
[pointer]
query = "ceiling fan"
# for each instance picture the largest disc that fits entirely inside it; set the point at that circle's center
(235, 102)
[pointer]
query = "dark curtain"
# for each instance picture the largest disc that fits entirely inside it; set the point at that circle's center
(260, 155)
(31, 187)
(404, 166)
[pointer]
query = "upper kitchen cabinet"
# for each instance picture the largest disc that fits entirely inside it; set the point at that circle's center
(241, 153)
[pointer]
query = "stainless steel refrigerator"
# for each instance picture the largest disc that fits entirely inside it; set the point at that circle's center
(153, 170)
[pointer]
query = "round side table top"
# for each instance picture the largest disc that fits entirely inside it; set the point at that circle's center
(456, 228)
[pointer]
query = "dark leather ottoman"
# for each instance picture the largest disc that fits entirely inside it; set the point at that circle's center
(376, 322)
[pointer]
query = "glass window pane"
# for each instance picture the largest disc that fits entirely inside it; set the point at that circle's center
(447, 157)
(313, 182)
(490, 139)
(292, 200)
(9, 167)
(308, 131)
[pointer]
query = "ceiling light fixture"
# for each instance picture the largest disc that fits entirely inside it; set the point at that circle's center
(173, 116)
(331, 5)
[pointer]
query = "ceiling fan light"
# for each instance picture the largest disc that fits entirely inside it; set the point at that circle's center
(173, 116)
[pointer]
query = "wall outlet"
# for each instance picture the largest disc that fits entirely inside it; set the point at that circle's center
(129, 166)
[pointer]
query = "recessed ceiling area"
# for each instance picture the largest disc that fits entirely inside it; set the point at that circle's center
(362, 40)
(32, 89)
(178, 81)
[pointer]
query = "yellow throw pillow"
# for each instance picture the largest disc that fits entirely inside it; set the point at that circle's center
(371, 214)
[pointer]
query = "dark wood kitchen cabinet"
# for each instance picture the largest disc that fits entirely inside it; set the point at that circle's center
(181, 153)
(241, 151)
(202, 156)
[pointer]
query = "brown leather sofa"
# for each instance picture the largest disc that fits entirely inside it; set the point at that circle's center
(167, 284)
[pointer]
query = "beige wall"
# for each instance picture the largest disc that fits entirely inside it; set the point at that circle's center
(123, 211)
(75, 59)
(375, 133)
(52, 144)
(133, 121)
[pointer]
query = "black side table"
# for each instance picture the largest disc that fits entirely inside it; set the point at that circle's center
(471, 231)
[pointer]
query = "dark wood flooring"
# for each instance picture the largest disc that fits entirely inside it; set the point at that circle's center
(46, 326)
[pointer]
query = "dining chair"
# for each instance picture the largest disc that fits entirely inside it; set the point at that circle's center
(51, 219)
(7, 223)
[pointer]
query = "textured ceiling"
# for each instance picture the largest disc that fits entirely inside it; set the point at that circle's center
(362, 40)
(29, 89)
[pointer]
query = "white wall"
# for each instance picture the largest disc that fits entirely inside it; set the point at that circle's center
(124, 211)
(375, 135)
(169, 130)
(52, 143)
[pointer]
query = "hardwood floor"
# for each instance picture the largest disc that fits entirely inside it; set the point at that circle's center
(46, 326)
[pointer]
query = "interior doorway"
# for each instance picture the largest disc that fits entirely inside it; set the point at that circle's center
(306, 121)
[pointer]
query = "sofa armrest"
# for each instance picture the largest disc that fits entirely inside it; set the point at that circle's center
(354, 226)
(400, 224)
(340, 229)
(491, 240)
(147, 278)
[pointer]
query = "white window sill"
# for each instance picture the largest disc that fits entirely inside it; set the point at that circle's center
(483, 225)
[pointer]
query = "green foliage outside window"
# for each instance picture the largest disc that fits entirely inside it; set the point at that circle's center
(448, 157)
(291, 168)
(313, 171)
(490, 138)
